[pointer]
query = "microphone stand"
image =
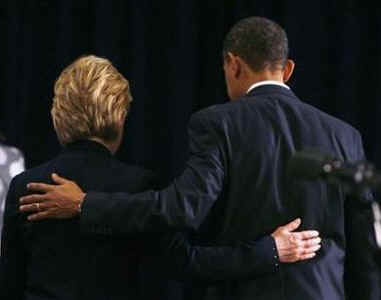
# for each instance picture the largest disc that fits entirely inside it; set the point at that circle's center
(377, 222)
(354, 177)
(357, 177)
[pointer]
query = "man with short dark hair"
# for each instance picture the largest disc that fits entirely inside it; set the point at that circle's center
(261, 43)
(235, 185)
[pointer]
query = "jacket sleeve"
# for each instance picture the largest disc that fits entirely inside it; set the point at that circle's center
(362, 273)
(12, 259)
(185, 260)
(182, 205)
(217, 263)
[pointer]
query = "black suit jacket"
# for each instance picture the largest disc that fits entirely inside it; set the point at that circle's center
(53, 259)
(235, 186)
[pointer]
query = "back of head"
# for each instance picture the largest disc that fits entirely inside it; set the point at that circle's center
(91, 99)
(260, 42)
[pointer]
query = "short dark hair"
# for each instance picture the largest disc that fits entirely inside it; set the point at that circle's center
(260, 42)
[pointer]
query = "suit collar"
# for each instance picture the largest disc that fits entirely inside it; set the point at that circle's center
(87, 146)
(270, 89)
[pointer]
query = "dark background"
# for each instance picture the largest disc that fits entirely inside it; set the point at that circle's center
(171, 53)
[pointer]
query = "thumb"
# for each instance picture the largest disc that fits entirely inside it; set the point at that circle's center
(292, 225)
(59, 180)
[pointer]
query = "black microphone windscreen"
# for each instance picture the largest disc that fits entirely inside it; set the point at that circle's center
(308, 164)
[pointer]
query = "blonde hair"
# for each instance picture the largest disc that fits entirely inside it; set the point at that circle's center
(91, 99)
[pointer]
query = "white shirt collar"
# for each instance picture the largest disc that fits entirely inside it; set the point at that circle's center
(267, 82)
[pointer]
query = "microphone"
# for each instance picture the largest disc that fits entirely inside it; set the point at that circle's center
(312, 164)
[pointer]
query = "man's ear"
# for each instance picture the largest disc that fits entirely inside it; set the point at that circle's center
(288, 69)
(235, 64)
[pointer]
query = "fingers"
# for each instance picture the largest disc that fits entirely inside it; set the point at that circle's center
(39, 187)
(300, 250)
(310, 250)
(300, 254)
(40, 215)
(29, 208)
(292, 225)
(303, 244)
(36, 207)
(35, 198)
(292, 258)
(58, 179)
(305, 235)
(311, 242)
(307, 256)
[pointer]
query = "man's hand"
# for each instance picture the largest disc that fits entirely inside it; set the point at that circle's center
(295, 246)
(59, 201)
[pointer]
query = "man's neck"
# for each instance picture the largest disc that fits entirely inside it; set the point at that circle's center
(262, 76)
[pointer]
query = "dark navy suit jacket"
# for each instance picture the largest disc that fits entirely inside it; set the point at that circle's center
(53, 259)
(235, 187)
